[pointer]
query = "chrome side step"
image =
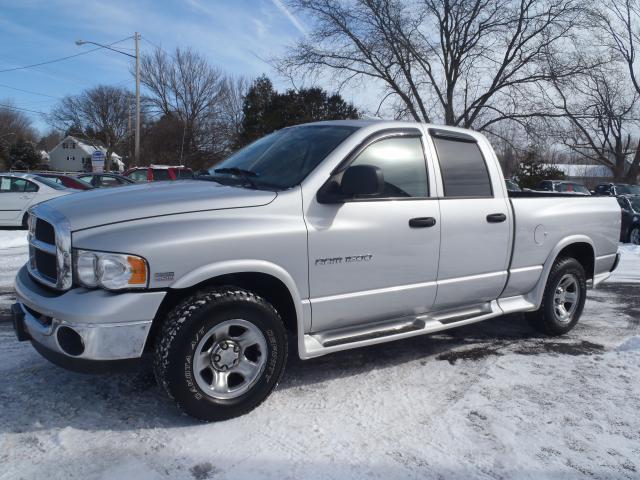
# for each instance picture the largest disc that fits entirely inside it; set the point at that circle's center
(369, 332)
(320, 343)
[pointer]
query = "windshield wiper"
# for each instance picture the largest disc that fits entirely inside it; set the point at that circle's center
(247, 175)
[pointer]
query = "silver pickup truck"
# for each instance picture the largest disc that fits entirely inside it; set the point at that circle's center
(337, 234)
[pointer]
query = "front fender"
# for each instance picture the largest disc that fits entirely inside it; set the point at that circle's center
(213, 270)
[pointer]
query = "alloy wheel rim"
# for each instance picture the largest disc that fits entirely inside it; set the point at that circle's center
(229, 359)
(566, 298)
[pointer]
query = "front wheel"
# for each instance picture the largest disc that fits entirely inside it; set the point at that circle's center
(563, 300)
(220, 353)
(634, 235)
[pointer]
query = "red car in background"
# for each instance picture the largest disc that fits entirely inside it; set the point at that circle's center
(156, 173)
(66, 181)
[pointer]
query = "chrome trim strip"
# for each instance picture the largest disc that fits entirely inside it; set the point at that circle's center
(534, 268)
(447, 281)
(45, 247)
(363, 293)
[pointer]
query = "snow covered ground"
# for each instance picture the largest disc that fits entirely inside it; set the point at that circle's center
(491, 400)
(13, 254)
(628, 270)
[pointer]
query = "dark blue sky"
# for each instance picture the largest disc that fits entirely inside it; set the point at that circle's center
(234, 34)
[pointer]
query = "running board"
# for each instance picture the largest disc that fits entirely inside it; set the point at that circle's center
(369, 332)
(321, 343)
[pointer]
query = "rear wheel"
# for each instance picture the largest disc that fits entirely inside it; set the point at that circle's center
(634, 235)
(220, 353)
(25, 221)
(563, 300)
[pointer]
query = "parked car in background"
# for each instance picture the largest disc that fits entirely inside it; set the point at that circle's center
(66, 181)
(563, 186)
(512, 185)
(104, 180)
(19, 191)
(615, 189)
(630, 227)
(157, 173)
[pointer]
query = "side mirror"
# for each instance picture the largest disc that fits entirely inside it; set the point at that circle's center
(357, 181)
(362, 181)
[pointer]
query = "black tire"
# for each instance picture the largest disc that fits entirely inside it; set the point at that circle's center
(188, 323)
(25, 221)
(634, 235)
(546, 318)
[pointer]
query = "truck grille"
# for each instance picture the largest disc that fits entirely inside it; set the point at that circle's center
(45, 232)
(49, 248)
(46, 264)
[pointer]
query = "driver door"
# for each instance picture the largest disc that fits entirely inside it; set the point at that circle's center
(369, 259)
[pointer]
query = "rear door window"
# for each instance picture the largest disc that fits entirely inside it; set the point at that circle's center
(464, 171)
(138, 175)
(160, 174)
(18, 184)
(109, 182)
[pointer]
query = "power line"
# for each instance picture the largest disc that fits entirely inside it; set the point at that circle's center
(155, 45)
(11, 107)
(59, 59)
(28, 91)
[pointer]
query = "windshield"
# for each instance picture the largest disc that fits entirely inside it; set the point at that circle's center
(284, 158)
(50, 183)
(627, 189)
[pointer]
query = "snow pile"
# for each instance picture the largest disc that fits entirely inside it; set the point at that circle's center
(13, 239)
(13, 254)
(628, 270)
(631, 344)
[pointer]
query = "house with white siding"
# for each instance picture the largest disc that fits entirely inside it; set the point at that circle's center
(74, 155)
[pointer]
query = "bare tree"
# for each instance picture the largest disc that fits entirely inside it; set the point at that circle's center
(183, 85)
(462, 62)
(619, 21)
(14, 123)
(225, 117)
(599, 112)
(100, 113)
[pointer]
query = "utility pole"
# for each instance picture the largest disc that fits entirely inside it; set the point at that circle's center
(136, 155)
(136, 36)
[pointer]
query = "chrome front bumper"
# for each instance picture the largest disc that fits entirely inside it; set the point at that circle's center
(109, 326)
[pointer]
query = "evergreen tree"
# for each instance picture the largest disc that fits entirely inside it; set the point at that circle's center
(23, 155)
(266, 110)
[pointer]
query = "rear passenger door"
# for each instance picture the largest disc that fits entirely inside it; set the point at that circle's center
(476, 223)
(15, 196)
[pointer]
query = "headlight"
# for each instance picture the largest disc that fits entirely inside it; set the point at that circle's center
(113, 271)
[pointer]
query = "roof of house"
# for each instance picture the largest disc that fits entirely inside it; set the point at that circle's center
(89, 148)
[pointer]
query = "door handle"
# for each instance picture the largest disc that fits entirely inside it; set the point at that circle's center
(496, 217)
(422, 222)
(25, 197)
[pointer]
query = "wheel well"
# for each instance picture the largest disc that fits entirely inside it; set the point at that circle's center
(267, 286)
(583, 253)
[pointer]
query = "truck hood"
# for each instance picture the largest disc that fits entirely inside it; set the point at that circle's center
(112, 205)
